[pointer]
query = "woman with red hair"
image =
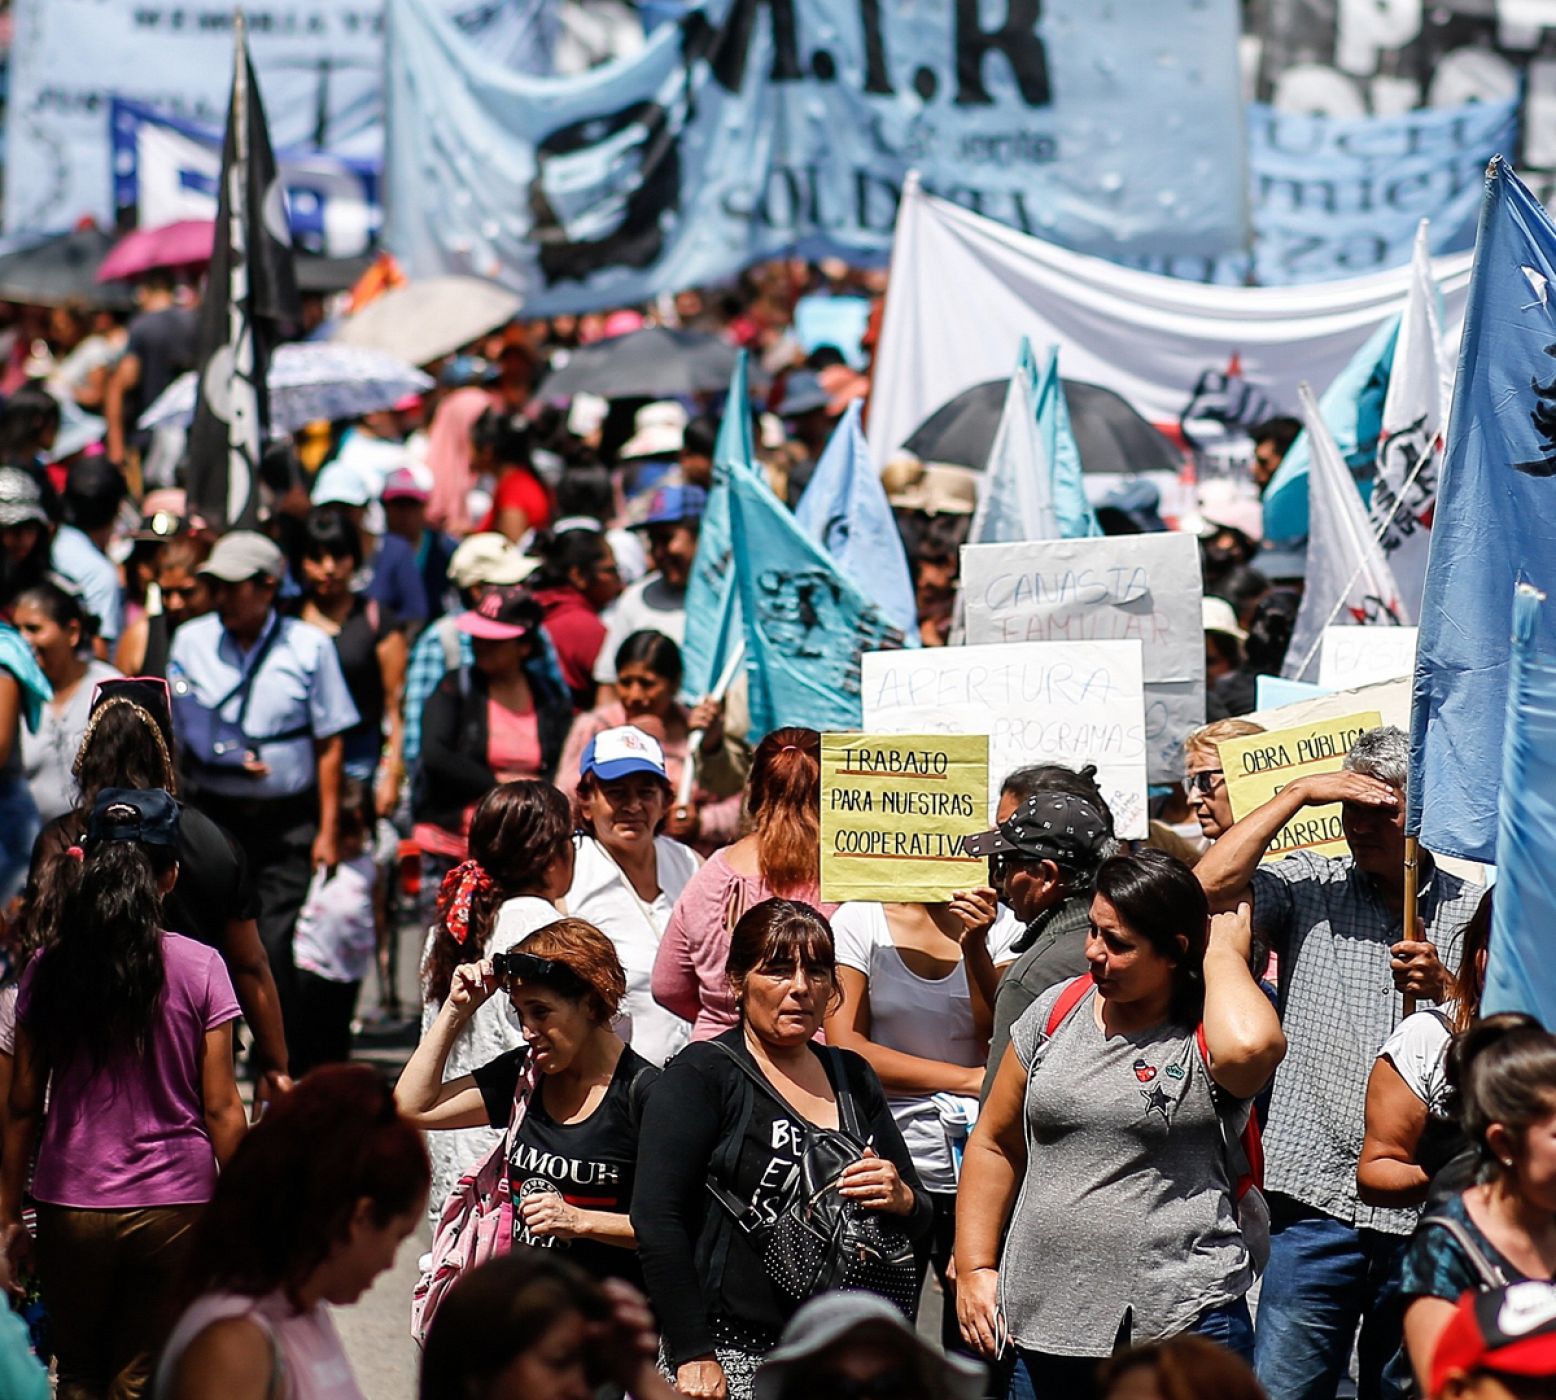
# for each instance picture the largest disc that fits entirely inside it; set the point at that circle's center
(309, 1211)
(781, 856)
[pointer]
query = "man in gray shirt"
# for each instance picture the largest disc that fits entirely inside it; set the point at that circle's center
(1043, 857)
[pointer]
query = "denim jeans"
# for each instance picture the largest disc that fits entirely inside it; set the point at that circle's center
(1041, 1377)
(1323, 1278)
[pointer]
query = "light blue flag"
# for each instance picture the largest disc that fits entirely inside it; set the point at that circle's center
(1494, 527)
(845, 510)
(1520, 972)
(712, 608)
(1077, 520)
(1352, 406)
(1016, 496)
(806, 626)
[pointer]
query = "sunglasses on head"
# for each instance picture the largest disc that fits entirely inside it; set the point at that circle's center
(529, 967)
(149, 692)
(1203, 782)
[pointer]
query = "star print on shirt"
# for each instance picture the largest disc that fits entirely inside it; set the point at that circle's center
(1157, 1100)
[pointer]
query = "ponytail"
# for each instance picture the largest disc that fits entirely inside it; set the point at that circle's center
(99, 981)
(1502, 1070)
(785, 802)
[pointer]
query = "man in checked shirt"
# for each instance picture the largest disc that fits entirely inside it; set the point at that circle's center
(1345, 959)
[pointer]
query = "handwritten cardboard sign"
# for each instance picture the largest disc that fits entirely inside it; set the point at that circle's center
(1353, 656)
(894, 810)
(1143, 588)
(1040, 702)
(1261, 765)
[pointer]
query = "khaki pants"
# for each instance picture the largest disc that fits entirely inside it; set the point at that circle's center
(110, 1282)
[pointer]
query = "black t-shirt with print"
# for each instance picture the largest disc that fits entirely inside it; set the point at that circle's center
(592, 1165)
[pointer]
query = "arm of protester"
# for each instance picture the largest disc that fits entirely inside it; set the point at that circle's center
(992, 1168)
(225, 1120)
(460, 776)
(681, 1125)
(1011, 999)
(674, 981)
(1242, 1030)
(393, 656)
(1387, 1173)
(1227, 867)
(130, 655)
(331, 755)
(977, 911)
(899, 1072)
(1425, 1321)
(24, 1115)
(547, 1214)
(234, 1359)
(424, 1098)
(10, 714)
(255, 986)
(125, 376)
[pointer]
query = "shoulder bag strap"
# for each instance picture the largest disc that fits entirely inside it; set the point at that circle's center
(245, 686)
(847, 1109)
(1073, 994)
(1491, 1274)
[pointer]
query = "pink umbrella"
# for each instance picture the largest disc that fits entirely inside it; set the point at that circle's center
(185, 243)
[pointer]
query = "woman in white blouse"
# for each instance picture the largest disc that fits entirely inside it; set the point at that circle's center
(917, 984)
(626, 877)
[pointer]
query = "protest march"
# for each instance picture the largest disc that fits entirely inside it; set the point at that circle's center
(777, 699)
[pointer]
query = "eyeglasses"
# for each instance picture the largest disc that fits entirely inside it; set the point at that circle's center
(1204, 782)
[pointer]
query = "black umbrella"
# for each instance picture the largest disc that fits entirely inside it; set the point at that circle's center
(1111, 435)
(653, 363)
(62, 269)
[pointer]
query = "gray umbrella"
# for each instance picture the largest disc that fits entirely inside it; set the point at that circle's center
(653, 363)
(1111, 435)
(61, 270)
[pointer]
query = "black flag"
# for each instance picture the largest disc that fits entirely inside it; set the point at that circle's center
(250, 301)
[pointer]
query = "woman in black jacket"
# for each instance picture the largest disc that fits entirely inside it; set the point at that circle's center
(501, 720)
(709, 1124)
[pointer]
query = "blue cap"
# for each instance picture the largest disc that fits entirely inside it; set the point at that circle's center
(669, 504)
(147, 816)
(614, 753)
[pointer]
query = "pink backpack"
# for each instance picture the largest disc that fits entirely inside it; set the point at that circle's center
(476, 1223)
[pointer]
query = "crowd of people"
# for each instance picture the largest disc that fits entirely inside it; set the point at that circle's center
(675, 1123)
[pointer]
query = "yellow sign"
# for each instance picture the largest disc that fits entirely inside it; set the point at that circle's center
(1261, 765)
(894, 809)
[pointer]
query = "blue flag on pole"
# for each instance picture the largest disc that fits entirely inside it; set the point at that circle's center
(1077, 520)
(845, 510)
(712, 608)
(806, 626)
(1520, 973)
(1494, 527)
(1352, 407)
(1016, 496)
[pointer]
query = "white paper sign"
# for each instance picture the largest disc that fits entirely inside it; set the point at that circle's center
(1070, 703)
(1143, 588)
(1353, 656)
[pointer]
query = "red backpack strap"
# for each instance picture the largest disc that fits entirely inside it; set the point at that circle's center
(1074, 992)
(1251, 1140)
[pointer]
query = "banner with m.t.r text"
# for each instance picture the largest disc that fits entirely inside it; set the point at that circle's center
(753, 128)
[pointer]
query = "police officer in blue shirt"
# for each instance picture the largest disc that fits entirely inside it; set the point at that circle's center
(259, 706)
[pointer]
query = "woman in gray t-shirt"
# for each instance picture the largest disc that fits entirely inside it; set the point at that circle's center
(1122, 1218)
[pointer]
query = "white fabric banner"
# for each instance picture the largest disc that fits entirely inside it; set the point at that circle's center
(1043, 702)
(1348, 579)
(1144, 588)
(965, 289)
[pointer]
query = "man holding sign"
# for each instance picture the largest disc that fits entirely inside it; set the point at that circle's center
(1336, 923)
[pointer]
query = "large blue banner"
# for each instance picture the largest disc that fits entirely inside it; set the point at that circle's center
(750, 128)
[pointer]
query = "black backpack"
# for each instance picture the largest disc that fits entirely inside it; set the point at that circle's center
(816, 1240)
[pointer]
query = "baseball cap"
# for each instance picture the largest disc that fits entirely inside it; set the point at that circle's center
(147, 816)
(1511, 1331)
(1056, 826)
(341, 485)
(21, 498)
(669, 504)
(401, 485)
(244, 554)
(658, 430)
(488, 558)
(504, 615)
(1218, 615)
(613, 753)
(823, 1322)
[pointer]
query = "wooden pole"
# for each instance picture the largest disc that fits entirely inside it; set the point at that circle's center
(1412, 859)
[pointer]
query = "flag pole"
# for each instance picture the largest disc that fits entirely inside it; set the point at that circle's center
(721, 687)
(1412, 887)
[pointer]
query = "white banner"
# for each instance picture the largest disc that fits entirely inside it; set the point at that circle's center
(1143, 588)
(966, 289)
(1353, 656)
(1071, 703)
(320, 66)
